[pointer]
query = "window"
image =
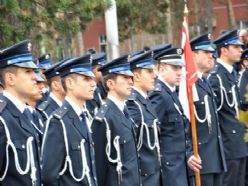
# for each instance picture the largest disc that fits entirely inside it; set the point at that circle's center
(103, 43)
(242, 24)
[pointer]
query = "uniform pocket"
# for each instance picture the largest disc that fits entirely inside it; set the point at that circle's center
(173, 121)
(75, 155)
(21, 150)
(127, 147)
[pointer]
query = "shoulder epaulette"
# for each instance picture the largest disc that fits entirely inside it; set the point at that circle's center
(132, 97)
(101, 112)
(158, 87)
(43, 106)
(2, 105)
(60, 112)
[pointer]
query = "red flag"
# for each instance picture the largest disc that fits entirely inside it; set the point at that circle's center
(189, 75)
(187, 88)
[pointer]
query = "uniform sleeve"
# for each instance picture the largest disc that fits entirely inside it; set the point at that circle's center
(215, 84)
(188, 137)
(99, 138)
(2, 146)
(53, 154)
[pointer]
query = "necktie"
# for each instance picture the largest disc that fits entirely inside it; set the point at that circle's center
(205, 82)
(234, 76)
(28, 115)
(126, 113)
(174, 95)
(83, 119)
(91, 146)
(84, 124)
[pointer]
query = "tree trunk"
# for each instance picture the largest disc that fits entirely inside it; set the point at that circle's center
(209, 15)
(197, 13)
(169, 21)
(231, 17)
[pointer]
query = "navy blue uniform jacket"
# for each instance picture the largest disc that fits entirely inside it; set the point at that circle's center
(122, 127)
(210, 146)
(54, 152)
(232, 129)
(148, 159)
(175, 142)
(20, 129)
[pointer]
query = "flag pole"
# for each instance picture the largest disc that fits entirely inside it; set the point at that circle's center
(192, 117)
(194, 136)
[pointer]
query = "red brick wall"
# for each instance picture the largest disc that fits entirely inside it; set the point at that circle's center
(92, 34)
(220, 13)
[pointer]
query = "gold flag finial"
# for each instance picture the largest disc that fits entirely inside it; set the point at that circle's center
(186, 10)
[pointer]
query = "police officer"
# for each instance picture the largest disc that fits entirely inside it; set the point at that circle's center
(98, 59)
(145, 119)
(36, 118)
(113, 133)
(210, 144)
(19, 149)
(243, 36)
(224, 83)
(57, 93)
(156, 50)
(43, 62)
(175, 143)
(243, 80)
(67, 151)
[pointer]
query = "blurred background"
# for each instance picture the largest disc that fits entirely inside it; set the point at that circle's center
(70, 27)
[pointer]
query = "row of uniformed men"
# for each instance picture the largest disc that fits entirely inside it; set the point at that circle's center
(125, 136)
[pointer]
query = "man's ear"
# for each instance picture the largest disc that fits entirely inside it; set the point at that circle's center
(9, 78)
(224, 50)
(70, 83)
(110, 84)
(136, 76)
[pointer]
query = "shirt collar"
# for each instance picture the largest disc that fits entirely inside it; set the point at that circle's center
(172, 89)
(20, 105)
(56, 99)
(227, 66)
(31, 109)
(75, 107)
(120, 104)
(44, 90)
(141, 92)
(199, 74)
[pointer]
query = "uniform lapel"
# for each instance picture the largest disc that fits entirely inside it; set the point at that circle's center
(24, 123)
(123, 119)
(226, 73)
(201, 85)
(53, 103)
(145, 103)
(175, 99)
(75, 121)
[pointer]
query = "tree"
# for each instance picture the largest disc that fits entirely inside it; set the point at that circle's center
(230, 12)
(141, 15)
(46, 21)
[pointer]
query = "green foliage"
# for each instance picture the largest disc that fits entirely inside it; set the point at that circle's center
(145, 15)
(46, 20)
